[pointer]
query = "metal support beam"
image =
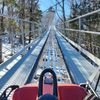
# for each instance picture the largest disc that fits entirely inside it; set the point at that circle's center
(88, 14)
(83, 31)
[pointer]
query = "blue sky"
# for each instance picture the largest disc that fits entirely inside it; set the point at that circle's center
(45, 4)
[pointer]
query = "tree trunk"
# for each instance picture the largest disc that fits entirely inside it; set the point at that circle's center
(64, 18)
(22, 16)
(1, 30)
(30, 25)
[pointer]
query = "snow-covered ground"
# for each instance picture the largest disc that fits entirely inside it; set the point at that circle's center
(8, 52)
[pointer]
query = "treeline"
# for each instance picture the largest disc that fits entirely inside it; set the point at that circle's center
(83, 7)
(24, 9)
(90, 42)
(80, 7)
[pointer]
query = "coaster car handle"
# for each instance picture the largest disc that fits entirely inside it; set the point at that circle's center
(40, 89)
(5, 94)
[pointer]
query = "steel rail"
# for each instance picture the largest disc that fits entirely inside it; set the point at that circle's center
(85, 52)
(83, 31)
(34, 67)
(88, 14)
